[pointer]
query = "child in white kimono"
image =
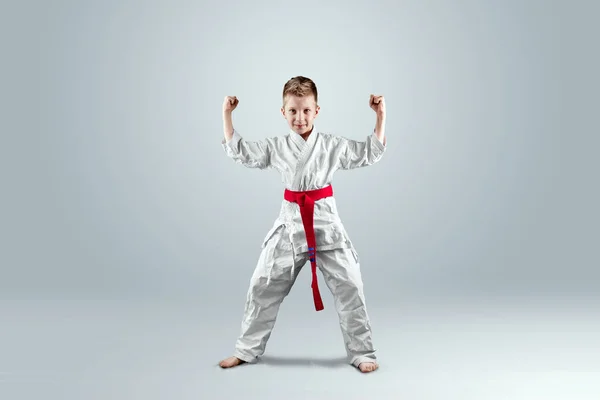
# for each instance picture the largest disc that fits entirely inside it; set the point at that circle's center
(308, 227)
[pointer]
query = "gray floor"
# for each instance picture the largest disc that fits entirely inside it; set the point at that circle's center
(436, 349)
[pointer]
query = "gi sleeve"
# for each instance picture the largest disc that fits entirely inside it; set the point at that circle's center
(356, 154)
(249, 154)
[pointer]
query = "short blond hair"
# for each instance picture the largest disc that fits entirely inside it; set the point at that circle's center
(300, 86)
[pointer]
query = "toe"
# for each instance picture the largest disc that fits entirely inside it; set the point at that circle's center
(226, 363)
(367, 367)
(231, 362)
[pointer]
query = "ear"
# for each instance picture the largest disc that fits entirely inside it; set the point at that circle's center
(282, 112)
(317, 110)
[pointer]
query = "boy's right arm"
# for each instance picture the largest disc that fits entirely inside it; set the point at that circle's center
(229, 104)
(227, 126)
(249, 154)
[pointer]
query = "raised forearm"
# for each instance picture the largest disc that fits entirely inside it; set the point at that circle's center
(380, 127)
(227, 125)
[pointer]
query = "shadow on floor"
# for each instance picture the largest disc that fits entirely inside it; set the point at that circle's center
(297, 361)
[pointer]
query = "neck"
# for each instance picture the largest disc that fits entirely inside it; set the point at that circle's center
(307, 134)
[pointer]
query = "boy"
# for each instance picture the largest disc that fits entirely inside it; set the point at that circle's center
(308, 227)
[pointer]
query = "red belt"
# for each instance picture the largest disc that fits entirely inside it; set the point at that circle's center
(306, 201)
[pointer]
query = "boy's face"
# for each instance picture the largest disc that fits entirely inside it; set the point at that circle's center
(300, 113)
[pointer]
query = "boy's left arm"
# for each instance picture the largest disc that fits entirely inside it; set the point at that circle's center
(380, 129)
(356, 154)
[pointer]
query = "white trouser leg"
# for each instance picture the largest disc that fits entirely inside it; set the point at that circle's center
(341, 271)
(270, 284)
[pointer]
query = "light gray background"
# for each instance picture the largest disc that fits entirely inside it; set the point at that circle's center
(129, 238)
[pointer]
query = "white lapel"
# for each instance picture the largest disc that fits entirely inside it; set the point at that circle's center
(305, 147)
(297, 139)
(303, 144)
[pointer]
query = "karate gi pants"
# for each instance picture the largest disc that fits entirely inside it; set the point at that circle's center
(275, 273)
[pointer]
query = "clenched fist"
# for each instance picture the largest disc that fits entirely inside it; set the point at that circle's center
(377, 103)
(230, 104)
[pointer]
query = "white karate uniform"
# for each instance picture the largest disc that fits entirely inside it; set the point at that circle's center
(306, 165)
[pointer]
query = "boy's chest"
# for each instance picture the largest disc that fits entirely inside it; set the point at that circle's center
(306, 169)
(313, 158)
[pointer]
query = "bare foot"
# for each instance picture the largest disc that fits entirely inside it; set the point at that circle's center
(231, 362)
(367, 366)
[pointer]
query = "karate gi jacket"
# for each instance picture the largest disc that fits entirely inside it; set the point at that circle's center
(307, 165)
